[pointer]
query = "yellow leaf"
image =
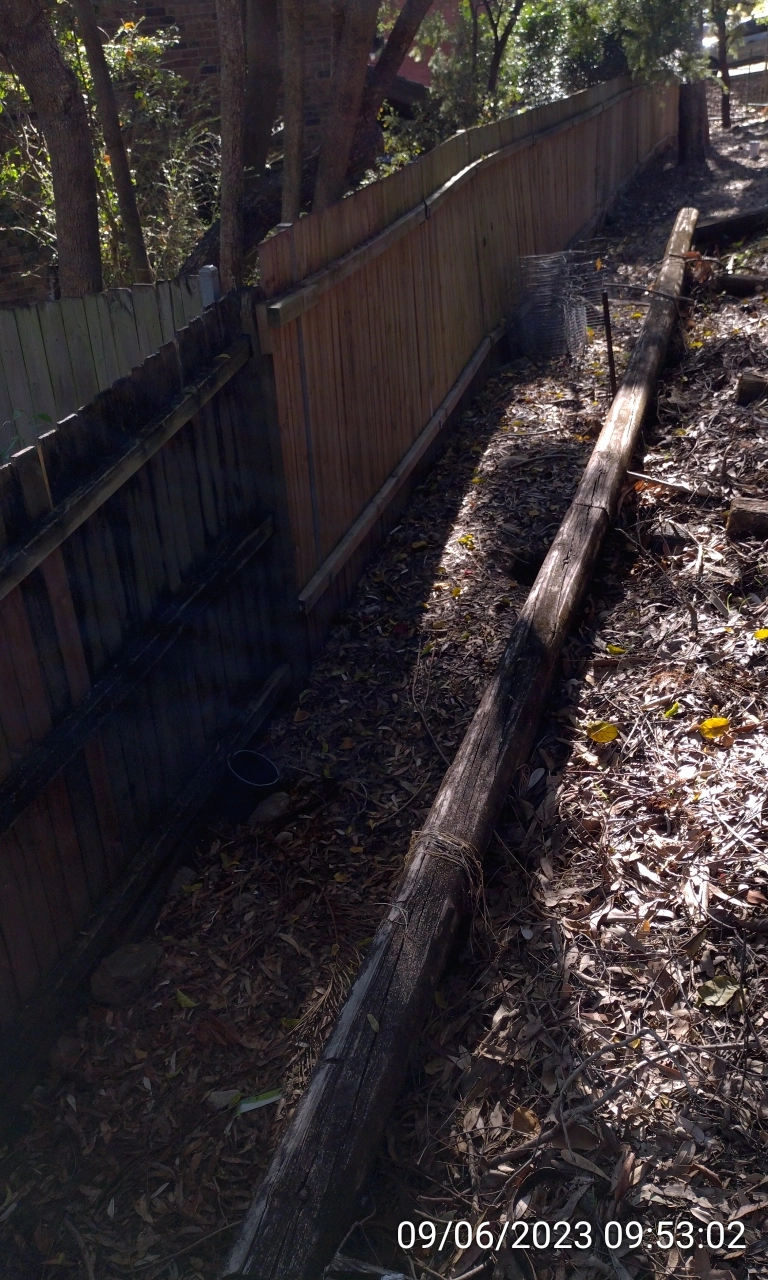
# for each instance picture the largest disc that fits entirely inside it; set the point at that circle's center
(615, 648)
(341, 877)
(467, 540)
(300, 716)
(599, 264)
(420, 545)
(637, 315)
(186, 1002)
(761, 634)
(356, 848)
(456, 592)
(672, 711)
(602, 731)
(714, 727)
(696, 345)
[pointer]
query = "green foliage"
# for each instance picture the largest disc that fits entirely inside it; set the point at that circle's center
(556, 47)
(168, 127)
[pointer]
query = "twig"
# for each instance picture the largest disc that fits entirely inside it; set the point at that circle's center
(84, 1254)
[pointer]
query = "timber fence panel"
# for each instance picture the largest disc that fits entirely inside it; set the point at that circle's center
(382, 301)
(132, 642)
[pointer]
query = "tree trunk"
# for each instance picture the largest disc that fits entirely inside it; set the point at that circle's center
(401, 37)
(722, 63)
(232, 48)
(379, 80)
(110, 124)
(693, 124)
(28, 43)
(348, 83)
(293, 107)
(263, 83)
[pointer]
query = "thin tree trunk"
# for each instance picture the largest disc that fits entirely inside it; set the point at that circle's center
(379, 80)
(293, 107)
(232, 49)
(29, 45)
(262, 89)
(500, 43)
(722, 63)
(348, 83)
(400, 39)
(110, 124)
(693, 124)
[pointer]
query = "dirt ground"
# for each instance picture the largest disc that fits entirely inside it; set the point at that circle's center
(597, 1048)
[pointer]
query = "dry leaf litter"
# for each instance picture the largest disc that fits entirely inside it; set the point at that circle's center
(597, 1048)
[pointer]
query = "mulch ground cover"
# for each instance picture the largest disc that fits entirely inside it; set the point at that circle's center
(597, 1049)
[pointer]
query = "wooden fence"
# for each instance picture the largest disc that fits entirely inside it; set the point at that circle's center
(157, 546)
(141, 639)
(55, 356)
(382, 308)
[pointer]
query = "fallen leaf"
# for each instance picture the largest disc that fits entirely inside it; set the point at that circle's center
(615, 648)
(258, 1100)
(671, 711)
(372, 1021)
(525, 1121)
(718, 991)
(185, 1001)
(714, 727)
(602, 731)
(300, 715)
(761, 633)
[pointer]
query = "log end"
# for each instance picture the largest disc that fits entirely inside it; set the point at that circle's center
(747, 518)
(751, 386)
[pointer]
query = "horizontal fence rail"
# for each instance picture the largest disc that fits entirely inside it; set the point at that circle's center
(55, 356)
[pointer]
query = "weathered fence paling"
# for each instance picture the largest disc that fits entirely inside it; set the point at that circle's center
(55, 356)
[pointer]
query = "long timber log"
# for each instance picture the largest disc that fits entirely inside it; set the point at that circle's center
(308, 1197)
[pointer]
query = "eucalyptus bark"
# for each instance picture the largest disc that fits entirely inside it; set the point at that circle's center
(232, 96)
(293, 107)
(28, 44)
(349, 75)
(109, 117)
(262, 88)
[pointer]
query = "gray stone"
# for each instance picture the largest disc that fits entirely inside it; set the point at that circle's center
(220, 1099)
(122, 976)
(274, 807)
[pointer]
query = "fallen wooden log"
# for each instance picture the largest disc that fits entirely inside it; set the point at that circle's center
(307, 1200)
(738, 285)
(720, 230)
(751, 386)
(747, 518)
